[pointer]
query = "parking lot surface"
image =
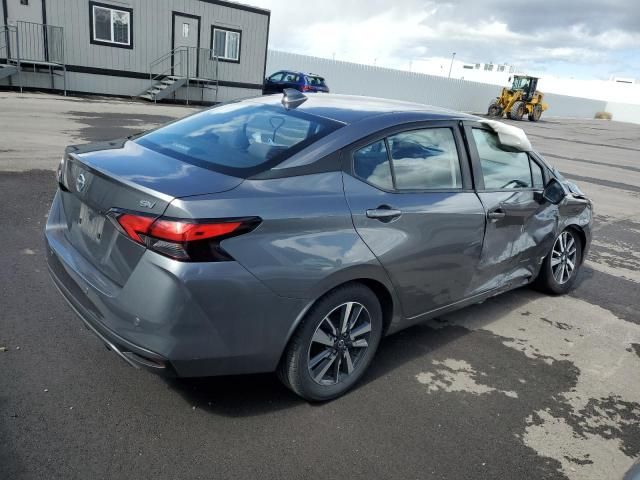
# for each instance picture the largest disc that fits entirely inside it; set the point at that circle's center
(521, 386)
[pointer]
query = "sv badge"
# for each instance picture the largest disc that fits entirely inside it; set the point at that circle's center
(146, 203)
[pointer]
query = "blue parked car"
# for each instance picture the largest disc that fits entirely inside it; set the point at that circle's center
(304, 82)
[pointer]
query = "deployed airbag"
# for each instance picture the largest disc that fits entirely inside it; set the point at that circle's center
(510, 136)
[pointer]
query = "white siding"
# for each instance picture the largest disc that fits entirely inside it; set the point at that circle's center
(152, 25)
(27, 13)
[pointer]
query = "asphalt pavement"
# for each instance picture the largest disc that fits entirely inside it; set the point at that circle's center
(521, 386)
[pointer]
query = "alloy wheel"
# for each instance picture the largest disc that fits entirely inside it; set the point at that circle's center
(563, 257)
(339, 343)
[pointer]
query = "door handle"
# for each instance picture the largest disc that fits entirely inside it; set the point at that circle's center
(496, 214)
(384, 213)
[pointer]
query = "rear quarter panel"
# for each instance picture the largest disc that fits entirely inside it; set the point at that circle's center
(306, 243)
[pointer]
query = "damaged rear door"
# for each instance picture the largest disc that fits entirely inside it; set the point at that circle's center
(520, 224)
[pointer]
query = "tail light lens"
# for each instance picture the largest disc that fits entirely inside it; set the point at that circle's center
(185, 240)
(307, 88)
(60, 174)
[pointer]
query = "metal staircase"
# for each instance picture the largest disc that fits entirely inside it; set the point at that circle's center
(7, 70)
(163, 88)
(187, 67)
(33, 48)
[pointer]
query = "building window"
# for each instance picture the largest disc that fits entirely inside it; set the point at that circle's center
(488, 67)
(477, 66)
(24, 2)
(111, 25)
(501, 68)
(225, 44)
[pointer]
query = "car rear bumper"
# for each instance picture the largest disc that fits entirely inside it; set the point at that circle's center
(184, 319)
(133, 354)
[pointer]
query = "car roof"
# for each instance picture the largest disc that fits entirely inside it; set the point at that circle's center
(352, 108)
(289, 71)
(300, 73)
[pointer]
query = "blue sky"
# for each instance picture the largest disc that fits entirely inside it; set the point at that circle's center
(587, 39)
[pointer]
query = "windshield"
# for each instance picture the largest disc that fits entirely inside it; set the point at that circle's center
(239, 139)
(520, 83)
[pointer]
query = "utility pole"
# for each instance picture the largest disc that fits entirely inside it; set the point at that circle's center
(453, 55)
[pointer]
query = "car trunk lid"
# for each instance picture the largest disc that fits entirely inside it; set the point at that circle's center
(123, 176)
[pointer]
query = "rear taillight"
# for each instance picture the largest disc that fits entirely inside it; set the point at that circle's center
(307, 88)
(186, 240)
(60, 174)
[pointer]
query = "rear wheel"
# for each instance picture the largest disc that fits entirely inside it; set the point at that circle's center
(517, 110)
(334, 344)
(560, 268)
(535, 115)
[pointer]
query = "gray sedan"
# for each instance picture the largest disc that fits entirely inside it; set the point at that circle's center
(290, 234)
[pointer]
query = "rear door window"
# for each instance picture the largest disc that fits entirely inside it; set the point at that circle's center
(239, 139)
(421, 159)
(425, 159)
(371, 164)
(291, 78)
(501, 169)
(315, 81)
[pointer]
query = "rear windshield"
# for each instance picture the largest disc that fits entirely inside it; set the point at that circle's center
(315, 81)
(239, 139)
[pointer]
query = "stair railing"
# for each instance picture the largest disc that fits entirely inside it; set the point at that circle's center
(178, 62)
(207, 69)
(34, 43)
(5, 32)
(11, 37)
(175, 62)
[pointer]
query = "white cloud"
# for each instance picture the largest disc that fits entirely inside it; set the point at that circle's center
(580, 32)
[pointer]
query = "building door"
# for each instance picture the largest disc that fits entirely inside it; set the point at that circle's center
(186, 33)
(28, 18)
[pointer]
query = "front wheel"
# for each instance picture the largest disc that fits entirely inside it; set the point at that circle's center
(494, 109)
(560, 267)
(334, 344)
(535, 115)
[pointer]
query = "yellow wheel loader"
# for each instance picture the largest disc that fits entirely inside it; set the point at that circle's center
(522, 98)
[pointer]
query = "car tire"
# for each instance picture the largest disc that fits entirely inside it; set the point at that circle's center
(551, 278)
(325, 358)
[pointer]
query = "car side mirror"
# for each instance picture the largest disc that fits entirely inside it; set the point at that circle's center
(554, 192)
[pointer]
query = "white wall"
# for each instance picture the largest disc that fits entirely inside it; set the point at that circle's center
(462, 95)
(624, 112)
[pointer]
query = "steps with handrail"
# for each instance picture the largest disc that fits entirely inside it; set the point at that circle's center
(35, 48)
(187, 67)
